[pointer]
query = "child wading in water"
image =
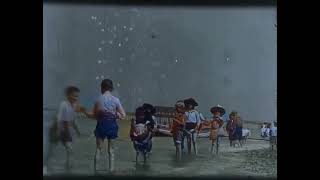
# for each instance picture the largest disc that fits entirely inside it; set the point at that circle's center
(192, 124)
(178, 127)
(149, 111)
(216, 123)
(231, 127)
(66, 123)
(106, 111)
(140, 134)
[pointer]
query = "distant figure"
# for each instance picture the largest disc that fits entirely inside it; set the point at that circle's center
(239, 127)
(245, 134)
(140, 134)
(107, 109)
(192, 124)
(178, 127)
(273, 135)
(264, 131)
(216, 123)
(231, 127)
(66, 123)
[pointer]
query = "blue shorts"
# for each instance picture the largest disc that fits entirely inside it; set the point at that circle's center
(106, 128)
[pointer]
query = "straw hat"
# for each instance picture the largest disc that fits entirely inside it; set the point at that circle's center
(218, 108)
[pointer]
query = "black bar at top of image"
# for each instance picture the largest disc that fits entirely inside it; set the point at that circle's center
(169, 2)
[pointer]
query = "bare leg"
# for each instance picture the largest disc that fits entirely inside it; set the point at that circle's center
(189, 144)
(99, 144)
(178, 151)
(111, 155)
(69, 151)
(194, 142)
(212, 146)
(144, 157)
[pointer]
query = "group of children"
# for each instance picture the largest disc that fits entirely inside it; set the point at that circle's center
(107, 110)
(269, 132)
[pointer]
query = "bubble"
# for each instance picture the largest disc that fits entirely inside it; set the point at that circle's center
(176, 60)
(131, 28)
(163, 76)
(114, 28)
(228, 59)
(100, 23)
(94, 17)
(100, 49)
(120, 70)
(103, 42)
(97, 78)
(114, 36)
(102, 77)
(110, 42)
(124, 27)
(118, 84)
(104, 62)
(99, 61)
(121, 59)
(116, 14)
(102, 30)
(155, 64)
(120, 45)
(126, 39)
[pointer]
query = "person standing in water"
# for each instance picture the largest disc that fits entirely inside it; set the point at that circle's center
(106, 111)
(216, 123)
(192, 124)
(177, 128)
(66, 123)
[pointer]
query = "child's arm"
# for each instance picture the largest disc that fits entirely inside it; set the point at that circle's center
(76, 127)
(93, 114)
(120, 111)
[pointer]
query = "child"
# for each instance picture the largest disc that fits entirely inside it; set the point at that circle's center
(239, 127)
(178, 126)
(192, 123)
(216, 123)
(106, 111)
(273, 135)
(149, 112)
(231, 126)
(66, 124)
(263, 130)
(140, 133)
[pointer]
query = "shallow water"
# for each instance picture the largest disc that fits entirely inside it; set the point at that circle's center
(230, 161)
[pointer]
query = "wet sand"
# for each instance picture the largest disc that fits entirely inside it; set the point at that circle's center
(254, 159)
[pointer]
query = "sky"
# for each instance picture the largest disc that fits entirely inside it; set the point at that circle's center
(159, 55)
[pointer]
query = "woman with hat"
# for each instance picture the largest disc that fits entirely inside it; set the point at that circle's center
(216, 123)
(177, 127)
(193, 120)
